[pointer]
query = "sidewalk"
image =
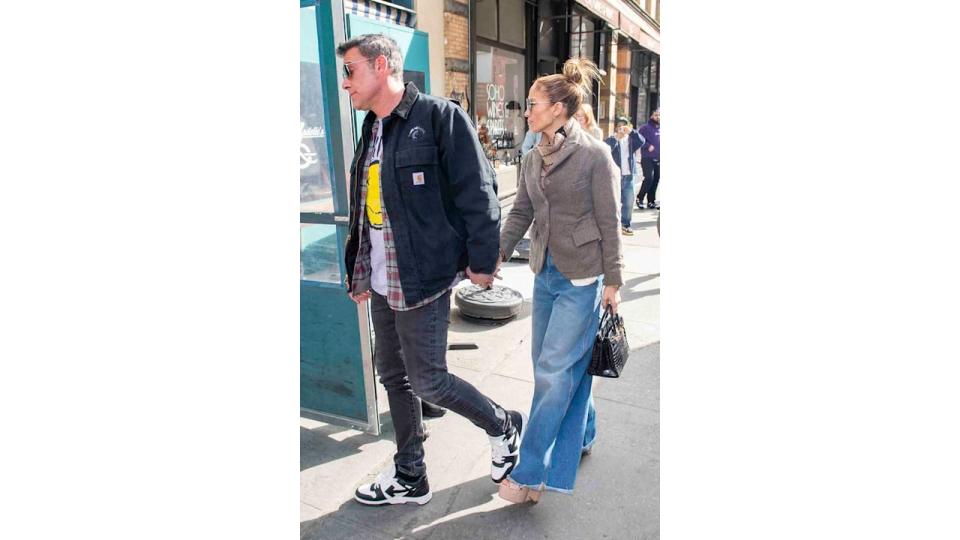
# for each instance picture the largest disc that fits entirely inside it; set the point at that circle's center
(618, 487)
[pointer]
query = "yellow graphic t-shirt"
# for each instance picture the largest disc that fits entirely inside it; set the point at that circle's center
(373, 207)
(374, 214)
(374, 199)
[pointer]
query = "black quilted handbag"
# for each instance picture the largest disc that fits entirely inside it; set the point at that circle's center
(610, 349)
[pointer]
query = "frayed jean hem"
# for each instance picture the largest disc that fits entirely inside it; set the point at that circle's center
(542, 487)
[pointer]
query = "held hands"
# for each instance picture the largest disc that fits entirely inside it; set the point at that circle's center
(483, 280)
(611, 296)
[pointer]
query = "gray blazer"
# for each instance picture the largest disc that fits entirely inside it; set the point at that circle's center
(578, 215)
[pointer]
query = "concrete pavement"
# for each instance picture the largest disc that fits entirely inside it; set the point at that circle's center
(617, 490)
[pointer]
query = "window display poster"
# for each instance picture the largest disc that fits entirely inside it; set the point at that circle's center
(500, 94)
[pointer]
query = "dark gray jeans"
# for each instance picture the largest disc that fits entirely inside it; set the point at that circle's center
(410, 354)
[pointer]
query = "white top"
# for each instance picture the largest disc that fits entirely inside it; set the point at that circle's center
(625, 156)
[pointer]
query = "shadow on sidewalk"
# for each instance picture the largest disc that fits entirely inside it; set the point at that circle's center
(617, 494)
(627, 293)
(643, 225)
(318, 445)
(473, 511)
(354, 521)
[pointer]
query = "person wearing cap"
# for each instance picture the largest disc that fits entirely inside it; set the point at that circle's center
(623, 144)
(650, 161)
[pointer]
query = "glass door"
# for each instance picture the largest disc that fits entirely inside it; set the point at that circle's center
(336, 367)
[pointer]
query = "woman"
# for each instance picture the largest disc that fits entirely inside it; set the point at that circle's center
(569, 192)
(588, 122)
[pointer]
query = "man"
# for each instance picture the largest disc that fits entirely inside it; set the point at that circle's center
(424, 213)
(650, 161)
(623, 145)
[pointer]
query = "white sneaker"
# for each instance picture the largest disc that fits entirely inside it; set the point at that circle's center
(389, 488)
(505, 449)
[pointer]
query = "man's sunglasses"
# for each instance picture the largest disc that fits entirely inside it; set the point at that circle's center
(347, 72)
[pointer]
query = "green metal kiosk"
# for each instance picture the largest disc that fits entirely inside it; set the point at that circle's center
(337, 382)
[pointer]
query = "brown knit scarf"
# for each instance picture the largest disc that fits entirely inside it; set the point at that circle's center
(548, 151)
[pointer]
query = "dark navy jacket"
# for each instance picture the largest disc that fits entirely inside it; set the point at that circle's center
(636, 142)
(451, 219)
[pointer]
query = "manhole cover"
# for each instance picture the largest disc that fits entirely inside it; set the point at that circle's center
(497, 302)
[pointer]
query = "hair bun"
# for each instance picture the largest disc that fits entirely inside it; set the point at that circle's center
(573, 70)
(581, 72)
(572, 86)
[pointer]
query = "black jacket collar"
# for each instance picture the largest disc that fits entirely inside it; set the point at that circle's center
(410, 93)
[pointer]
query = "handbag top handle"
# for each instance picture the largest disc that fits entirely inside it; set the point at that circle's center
(606, 314)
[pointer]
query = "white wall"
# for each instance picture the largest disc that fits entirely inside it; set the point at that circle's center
(430, 20)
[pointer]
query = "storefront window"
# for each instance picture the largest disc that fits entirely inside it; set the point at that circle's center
(644, 69)
(487, 19)
(500, 95)
(604, 44)
(581, 37)
(315, 190)
(319, 259)
(512, 23)
(549, 31)
(641, 107)
(654, 75)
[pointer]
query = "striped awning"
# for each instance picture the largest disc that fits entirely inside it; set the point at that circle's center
(381, 11)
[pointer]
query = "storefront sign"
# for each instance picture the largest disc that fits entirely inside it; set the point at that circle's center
(496, 110)
(308, 156)
(310, 132)
(638, 30)
(622, 16)
(604, 9)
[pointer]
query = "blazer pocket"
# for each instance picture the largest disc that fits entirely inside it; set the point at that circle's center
(586, 232)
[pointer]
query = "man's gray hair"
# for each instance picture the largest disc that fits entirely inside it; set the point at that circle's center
(373, 45)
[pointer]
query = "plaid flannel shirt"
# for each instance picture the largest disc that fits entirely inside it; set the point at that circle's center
(363, 269)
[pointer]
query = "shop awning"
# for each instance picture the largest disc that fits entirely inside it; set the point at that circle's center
(381, 11)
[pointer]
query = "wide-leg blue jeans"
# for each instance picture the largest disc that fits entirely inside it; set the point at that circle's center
(562, 420)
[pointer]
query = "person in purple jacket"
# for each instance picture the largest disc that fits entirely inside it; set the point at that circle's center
(650, 161)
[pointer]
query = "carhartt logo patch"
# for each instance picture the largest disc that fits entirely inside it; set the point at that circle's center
(418, 178)
(416, 133)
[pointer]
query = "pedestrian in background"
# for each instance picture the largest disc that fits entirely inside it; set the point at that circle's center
(568, 197)
(530, 140)
(623, 145)
(424, 215)
(588, 122)
(650, 161)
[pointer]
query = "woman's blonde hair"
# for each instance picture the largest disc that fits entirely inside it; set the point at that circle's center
(588, 114)
(572, 86)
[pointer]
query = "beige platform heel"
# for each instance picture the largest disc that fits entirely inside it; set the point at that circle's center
(515, 493)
